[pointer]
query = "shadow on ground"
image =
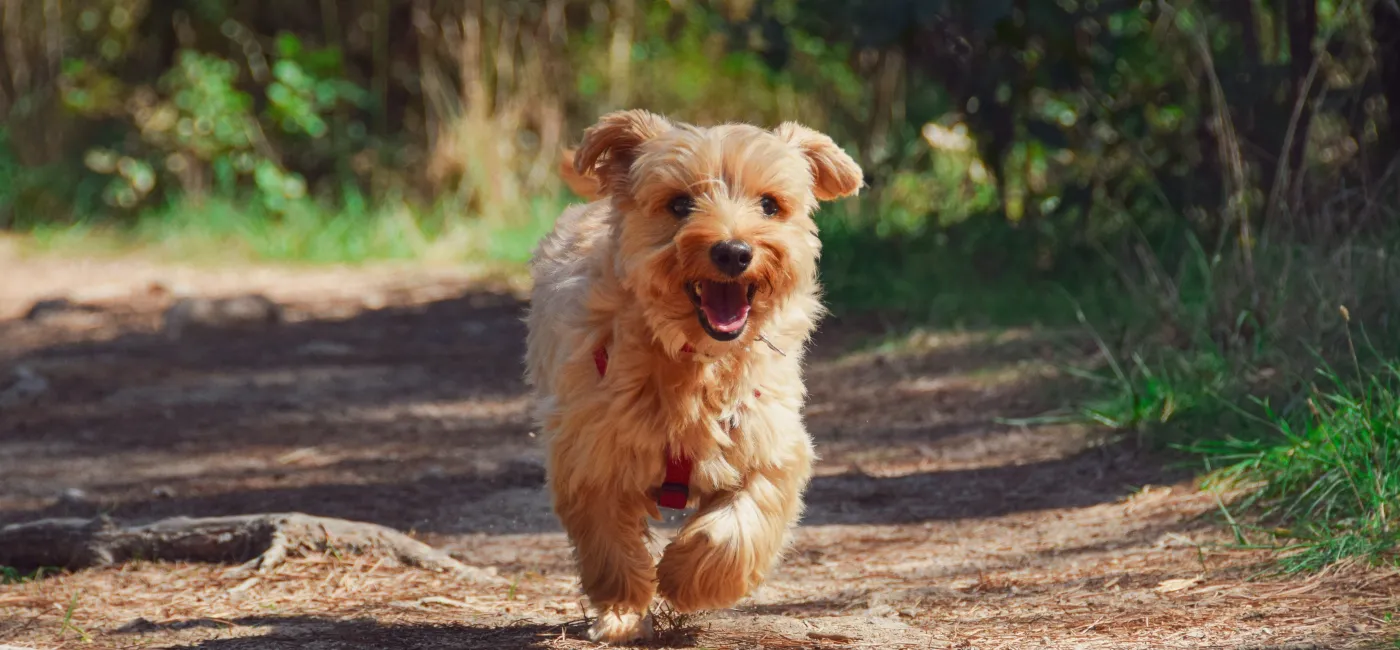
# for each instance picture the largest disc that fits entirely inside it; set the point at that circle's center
(514, 501)
(295, 632)
(414, 416)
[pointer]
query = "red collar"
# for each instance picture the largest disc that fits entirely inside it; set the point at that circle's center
(675, 488)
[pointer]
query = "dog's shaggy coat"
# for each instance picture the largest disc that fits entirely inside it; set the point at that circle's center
(704, 356)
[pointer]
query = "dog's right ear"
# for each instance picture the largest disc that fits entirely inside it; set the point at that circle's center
(610, 147)
(834, 173)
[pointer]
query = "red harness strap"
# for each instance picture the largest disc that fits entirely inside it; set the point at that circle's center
(675, 488)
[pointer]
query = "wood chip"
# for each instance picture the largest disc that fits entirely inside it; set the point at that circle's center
(245, 585)
(1176, 584)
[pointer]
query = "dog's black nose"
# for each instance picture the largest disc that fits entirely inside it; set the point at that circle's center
(731, 257)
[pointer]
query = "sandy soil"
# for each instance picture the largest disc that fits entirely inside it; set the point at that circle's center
(393, 395)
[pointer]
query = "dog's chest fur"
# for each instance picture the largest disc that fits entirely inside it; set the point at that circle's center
(718, 413)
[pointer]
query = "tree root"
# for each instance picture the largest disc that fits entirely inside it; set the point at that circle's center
(260, 542)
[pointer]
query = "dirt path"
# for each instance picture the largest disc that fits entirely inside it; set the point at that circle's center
(394, 396)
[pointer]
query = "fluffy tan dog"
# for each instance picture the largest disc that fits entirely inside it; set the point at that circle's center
(667, 328)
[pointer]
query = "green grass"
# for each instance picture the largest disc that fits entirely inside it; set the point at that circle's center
(12, 576)
(306, 232)
(1265, 408)
(68, 624)
(1321, 477)
(1329, 474)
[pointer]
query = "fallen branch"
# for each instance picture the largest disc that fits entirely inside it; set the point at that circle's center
(260, 542)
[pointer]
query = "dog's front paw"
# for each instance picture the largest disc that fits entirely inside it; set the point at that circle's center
(620, 627)
(697, 574)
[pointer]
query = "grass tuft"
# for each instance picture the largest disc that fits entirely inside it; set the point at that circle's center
(1329, 475)
(12, 576)
(68, 624)
(1256, 397)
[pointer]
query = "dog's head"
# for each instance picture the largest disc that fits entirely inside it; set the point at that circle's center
(715, 232)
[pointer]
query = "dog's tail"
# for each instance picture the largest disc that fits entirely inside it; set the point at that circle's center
(586, 187)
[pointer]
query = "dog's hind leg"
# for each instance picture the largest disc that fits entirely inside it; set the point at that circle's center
(609, 533)
(730, 544)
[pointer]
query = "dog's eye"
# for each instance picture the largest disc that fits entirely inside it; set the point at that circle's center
(768, 204)
(681, 206)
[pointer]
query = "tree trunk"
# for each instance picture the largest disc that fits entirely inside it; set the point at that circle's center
(620, 54)
(1302, 31)
(1385, 29)
(1241, 13)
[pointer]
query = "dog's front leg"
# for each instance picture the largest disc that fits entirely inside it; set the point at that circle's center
(732, 541)
(609, 533)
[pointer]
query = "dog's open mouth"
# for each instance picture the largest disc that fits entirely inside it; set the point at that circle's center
(722, 307)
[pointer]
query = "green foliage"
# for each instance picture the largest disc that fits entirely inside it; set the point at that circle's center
(308, 85)
(930, 278)
(30, 194)
(10, 183)
(1093, 120)
(197, 126)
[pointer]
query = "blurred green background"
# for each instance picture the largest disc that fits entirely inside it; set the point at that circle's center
(1007, 139)
(1201, 186)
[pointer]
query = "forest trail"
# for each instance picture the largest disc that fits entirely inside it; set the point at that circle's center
(393, 395)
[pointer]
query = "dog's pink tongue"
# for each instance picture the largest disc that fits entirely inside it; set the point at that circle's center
(726, 305)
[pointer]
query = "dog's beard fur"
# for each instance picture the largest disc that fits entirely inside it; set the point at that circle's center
(634, 275)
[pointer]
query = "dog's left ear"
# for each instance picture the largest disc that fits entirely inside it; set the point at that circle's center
(834, 173)
(585, 186)
(611, 146)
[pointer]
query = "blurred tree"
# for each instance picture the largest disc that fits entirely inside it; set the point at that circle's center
(1082, 118)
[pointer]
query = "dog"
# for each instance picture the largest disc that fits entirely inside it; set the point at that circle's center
(667, 326)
